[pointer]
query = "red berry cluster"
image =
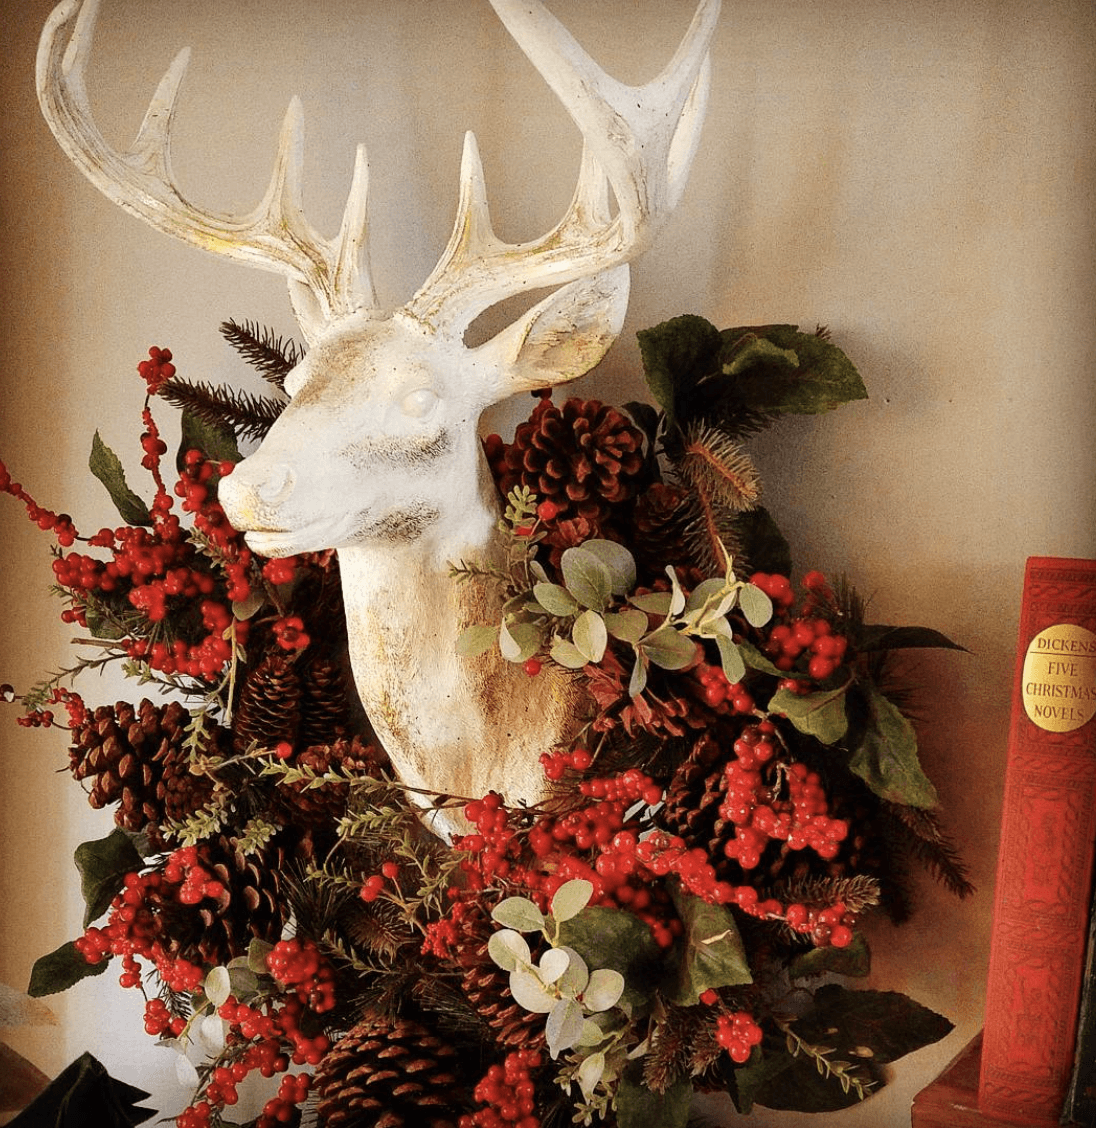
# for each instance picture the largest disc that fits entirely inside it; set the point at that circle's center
(293, 1091)
(555, 764)
(60, 523)
(720, 694)
(290, 633)
(508, 1091)
(157, 370)
(737, 1033)
(807, 643)
(298, 964)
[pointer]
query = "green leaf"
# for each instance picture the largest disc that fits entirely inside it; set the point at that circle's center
(878, 637)
(712, 955)
(564, 1025)
(257, 951)
(619, 561)
(757, 661)
(604, 989)
(824, 379)
(103, 865)
(795, 1084)
(638, 1106)
(734, 668)
(590, 636)
(60, 970)
(677, 355)
(587, 577)
(215, 441)
(654, 602)
(218, 985)
(508, 949)
(107, 467)
(886, 758)
(763, 544)
(614, 938)
(637, 682)
(821, 715)
(887, 1023)
(518, 641)
(476, 640)
(854, 960)
(566, 654)
(668, 648)
(628, 625)
(570, 899)
(556, 600)
(751, 1077)
(518, 913)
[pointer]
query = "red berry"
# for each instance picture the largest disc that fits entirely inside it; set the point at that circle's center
(532, 666)
(547, 510)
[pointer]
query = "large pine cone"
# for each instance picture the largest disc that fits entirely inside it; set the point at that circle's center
(585, 457)
(658, 527)
(251, 905)
(269, 709)
(388, 1073)
(299, 804)
(325, 704)
(135, 757)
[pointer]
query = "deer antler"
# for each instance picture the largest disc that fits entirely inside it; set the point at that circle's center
(328, 277)
(638, 140)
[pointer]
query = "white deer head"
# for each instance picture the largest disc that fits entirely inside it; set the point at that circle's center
(377, 454)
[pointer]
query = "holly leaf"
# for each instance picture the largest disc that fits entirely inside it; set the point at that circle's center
(769, 384)
(821, 715)
(886, 758)
(854, 960)
(712, 952)
(103, 865)
(880, 1026)
(60, 970)
(107, 467)
(638, 1106)
(617, 940)
(677, 355)
(798, 1084)
(879, 637)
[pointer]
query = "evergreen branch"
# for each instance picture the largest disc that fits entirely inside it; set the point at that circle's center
(858, 893)
(933, 848)
(272, 357)
(843, 1072)
(716, 467)
(248, 416)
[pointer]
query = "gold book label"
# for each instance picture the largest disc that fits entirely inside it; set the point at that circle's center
(1059, 678)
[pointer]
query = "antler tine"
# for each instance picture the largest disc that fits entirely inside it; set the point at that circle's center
(275, 236)
(640, 139)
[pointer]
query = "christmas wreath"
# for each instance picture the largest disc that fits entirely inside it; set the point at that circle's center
(680, 913)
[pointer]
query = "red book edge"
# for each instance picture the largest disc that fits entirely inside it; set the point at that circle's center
(1044, 875)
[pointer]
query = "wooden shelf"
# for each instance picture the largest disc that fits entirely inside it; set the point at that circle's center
(951, 1101)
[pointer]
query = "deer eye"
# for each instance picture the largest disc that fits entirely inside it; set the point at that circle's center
(419, 403)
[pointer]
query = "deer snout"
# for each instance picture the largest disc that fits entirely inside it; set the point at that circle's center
(252, 493)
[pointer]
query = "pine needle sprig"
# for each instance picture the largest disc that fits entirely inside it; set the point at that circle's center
(247, 415)
(716, 467)
(858, 893)
(271, 356)
(927, 841)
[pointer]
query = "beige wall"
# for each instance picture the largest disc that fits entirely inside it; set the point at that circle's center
(917, 175)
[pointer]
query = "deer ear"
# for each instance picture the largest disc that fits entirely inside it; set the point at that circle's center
(561, 337)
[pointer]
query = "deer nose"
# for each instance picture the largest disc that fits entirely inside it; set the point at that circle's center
(277, 485)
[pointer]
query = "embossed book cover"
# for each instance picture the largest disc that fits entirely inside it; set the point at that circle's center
(1044, 876)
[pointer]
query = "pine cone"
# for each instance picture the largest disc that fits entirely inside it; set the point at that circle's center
(135, 757)
(387, 1073)
(658, 526)
(325, 704)
(250, 906)
(269, 707)
(585, 457)
(301, 805)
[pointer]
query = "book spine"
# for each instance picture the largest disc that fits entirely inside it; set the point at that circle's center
(1045, 858)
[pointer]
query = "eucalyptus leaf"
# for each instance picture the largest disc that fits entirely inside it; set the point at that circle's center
(564, 1026)
(552, 965)
(637, 682)
(590, 636)
(476, 640)
(620, 562)
(518, 913)
(677, 596)
(604, 989)
(821, 715)
(590, 1072)
(218, 985)
(508, 949)
(653, 602)
(755, 604)
(570, 899)
(734, 668)
(629, 625)
(555, 599)
(519, 641)
(257, 951)
(587, 577)
(668, 648)
(107, 467)
(530, 993)
(565, 653)
(573, 981)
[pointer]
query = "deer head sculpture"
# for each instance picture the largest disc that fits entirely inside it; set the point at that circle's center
(377, 454)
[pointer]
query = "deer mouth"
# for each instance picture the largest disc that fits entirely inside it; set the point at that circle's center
(316, 536)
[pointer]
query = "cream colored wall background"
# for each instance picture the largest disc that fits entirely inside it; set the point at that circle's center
(918, 175)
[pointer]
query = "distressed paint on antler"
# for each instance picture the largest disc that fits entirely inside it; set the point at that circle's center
(377, 454)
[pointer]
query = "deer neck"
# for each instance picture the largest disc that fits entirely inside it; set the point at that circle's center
(450, 724)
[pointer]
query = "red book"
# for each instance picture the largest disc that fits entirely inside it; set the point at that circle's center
(1045, 860)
